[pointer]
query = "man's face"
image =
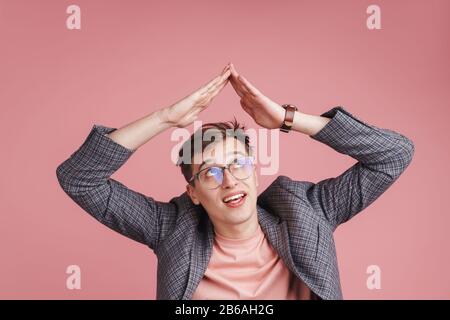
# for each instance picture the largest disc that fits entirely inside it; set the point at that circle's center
(214, 200)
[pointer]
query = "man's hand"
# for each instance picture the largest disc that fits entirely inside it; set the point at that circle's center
(264, 111)
(185, 111)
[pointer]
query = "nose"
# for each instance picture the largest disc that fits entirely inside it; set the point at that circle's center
(228, 180)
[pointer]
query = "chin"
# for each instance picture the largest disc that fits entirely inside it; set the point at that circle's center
(238, 215)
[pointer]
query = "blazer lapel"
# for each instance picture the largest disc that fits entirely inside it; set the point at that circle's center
(273, 227)
(276, 231)
(200, 254)
(277, 234)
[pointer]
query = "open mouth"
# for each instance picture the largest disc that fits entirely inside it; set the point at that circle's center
(235, 200)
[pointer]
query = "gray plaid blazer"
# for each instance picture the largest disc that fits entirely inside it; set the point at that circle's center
(297, 217)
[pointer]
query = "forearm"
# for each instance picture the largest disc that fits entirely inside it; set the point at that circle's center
(382, 154)
(86, 178)
(380, 150)
(138, 132)
(308, 124)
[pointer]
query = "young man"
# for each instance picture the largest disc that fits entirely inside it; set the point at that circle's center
(219, 239)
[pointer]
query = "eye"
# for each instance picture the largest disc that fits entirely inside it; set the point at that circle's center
(212, 172)
(237, 165)
(240, 162)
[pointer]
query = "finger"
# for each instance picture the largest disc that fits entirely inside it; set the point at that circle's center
(236, 83)
(234, 72)
(237, 87)
(227, 67)
(242, 81)
(210, 83)
(224, 74)
(213, 92)
(222, 84)
(224, 69)
(210, 95)
(216, 81)
(218, 84)
(250, 88)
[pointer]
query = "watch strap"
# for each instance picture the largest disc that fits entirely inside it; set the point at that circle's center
(288, 117)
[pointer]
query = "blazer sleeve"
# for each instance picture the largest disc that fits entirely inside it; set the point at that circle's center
(86, 178)
(382, 154)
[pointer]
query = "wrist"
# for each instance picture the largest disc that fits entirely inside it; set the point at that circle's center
(163, 118)
(297, 123)
(309, 124)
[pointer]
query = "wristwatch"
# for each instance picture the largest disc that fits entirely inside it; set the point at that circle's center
(288, 117)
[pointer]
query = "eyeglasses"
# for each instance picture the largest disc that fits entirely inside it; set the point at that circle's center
(212, 177)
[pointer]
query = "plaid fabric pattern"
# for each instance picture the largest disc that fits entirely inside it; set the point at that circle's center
(298, 217)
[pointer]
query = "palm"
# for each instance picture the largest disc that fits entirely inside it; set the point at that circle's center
(263, 110)
(185, 111)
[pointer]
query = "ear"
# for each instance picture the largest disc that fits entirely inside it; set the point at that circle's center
(192, 194)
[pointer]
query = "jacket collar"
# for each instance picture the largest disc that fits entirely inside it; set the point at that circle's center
(273, 227)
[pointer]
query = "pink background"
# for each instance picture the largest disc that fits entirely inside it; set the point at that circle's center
(131, 58)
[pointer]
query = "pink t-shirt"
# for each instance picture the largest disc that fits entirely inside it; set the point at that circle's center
(248, 269)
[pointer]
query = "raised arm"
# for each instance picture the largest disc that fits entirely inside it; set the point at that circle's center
(180, 114)
(382, 154)
(86, 175)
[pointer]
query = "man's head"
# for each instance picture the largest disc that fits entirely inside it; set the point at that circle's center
(202, 159)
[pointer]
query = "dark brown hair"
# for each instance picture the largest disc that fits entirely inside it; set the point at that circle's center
(221, 130)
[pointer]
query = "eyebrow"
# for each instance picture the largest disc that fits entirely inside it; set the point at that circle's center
(211, 161)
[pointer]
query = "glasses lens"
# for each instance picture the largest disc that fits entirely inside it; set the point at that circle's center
(242, 168)
(211, 178)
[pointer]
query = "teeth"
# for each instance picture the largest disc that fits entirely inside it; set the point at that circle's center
(236, 196)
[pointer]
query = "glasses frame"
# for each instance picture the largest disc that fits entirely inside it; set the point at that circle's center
(223, 168)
